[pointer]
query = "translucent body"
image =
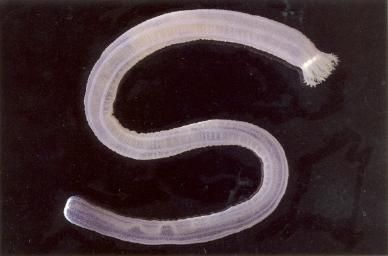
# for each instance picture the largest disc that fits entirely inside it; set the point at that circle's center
(179, 27)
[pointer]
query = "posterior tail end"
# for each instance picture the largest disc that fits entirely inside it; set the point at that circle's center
(69, 207)
(318, 68)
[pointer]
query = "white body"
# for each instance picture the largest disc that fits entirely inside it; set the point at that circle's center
(179, 27)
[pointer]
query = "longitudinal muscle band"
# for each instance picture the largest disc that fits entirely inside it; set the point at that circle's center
(178, 27)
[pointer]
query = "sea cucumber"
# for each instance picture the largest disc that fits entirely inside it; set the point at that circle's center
(178, 27)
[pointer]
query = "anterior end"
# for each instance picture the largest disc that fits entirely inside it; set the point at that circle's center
(319, 68)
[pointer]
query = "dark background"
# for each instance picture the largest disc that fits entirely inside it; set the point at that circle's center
(333, 135)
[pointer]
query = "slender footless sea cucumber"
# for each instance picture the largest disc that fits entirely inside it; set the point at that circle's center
(178, 27)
